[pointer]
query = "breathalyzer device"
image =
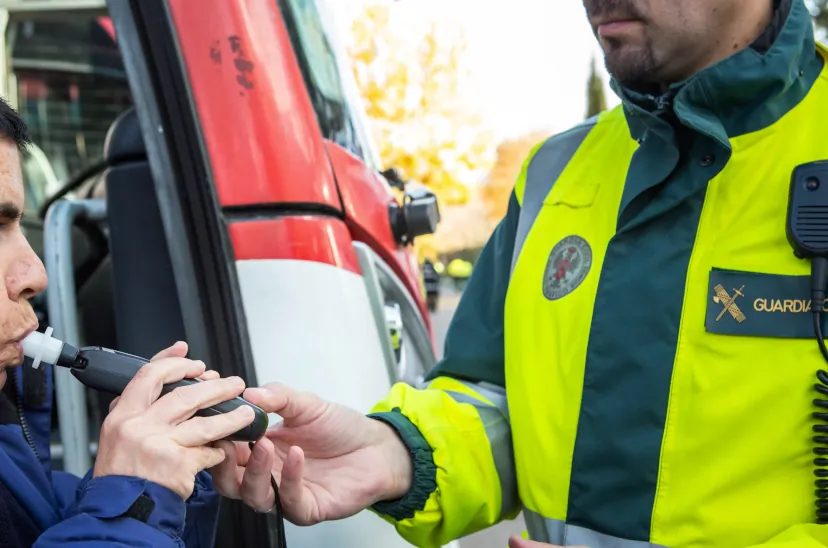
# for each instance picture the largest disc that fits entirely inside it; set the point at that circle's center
(110, 371)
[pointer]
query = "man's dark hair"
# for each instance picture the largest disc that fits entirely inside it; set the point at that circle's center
(12, 126)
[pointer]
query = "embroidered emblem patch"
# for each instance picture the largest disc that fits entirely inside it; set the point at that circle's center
(729, 303)
(567, 266)
(754, 304)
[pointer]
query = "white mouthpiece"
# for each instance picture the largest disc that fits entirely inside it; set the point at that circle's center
(42, 347)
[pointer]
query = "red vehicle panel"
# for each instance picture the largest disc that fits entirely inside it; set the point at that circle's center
(265, 144)
(308, 238)
(258, 122)
(366, 197)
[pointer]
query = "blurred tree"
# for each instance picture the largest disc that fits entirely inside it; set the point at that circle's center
(596, 100)
(510, 157)
(820, 10)
(411, 84)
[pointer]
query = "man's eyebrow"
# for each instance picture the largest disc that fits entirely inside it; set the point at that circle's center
(9, 211)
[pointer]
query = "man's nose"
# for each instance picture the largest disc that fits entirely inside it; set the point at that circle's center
(27, 275)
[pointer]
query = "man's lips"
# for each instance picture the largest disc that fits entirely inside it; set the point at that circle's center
(608, 26)
(19, 346)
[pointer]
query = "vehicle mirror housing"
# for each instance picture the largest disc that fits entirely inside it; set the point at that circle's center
(394, 178)
(418, 216)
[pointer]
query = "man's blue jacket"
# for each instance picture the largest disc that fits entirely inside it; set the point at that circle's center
(59, 509)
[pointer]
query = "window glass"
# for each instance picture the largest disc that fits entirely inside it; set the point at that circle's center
(70, 86)
(327, 77)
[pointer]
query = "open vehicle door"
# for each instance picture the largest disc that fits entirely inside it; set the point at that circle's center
(227, 197)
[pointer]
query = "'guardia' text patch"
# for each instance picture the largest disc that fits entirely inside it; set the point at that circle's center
(759, 305)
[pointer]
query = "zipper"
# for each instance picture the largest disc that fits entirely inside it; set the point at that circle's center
(18, 404)
(664, 102)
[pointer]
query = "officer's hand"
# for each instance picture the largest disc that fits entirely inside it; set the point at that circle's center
(330, 461)
(158, 440)
(520, 542)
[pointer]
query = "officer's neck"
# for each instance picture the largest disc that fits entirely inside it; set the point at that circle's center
(755, 27)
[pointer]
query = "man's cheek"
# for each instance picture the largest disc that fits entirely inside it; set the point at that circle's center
(10, 355)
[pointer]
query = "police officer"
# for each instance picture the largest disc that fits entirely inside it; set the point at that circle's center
(431, 281)
(637, 385)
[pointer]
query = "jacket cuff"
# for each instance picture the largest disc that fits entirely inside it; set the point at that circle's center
(424, 482)
(111, 497)
(204, 499)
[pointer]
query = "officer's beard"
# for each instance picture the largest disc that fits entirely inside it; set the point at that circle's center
(633, 67)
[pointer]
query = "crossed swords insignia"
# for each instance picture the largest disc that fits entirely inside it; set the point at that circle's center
(728, 302)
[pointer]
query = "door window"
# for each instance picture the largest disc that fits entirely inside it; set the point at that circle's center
(70, 85)
(338, 108)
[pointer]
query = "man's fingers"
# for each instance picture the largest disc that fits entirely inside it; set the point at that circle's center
(177, 350)
(114, 403)
(182, 403)
(256, 491)
(202, 430)
(226, 475)
(208, 457)
(145, 387)
(210, 375)
(284, 401)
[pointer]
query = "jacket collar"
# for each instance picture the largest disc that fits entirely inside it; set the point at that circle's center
(745, 92)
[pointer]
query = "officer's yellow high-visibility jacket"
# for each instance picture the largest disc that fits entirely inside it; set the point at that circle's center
(633, 362)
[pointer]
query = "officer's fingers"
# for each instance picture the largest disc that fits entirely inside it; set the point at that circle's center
(520, 542)
(242, 453)
(516, 541)
(145, 387)
(114, 403)
(286, 402)
(227, 475)
(177, 350)
(296, 501)
(256, 491)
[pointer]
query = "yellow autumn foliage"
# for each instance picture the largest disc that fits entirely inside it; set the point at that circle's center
(510, 157)
(411, 86)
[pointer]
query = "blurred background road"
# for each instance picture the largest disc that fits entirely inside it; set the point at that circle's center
(498, 536)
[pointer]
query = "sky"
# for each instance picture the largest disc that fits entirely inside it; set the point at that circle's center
(528, 59)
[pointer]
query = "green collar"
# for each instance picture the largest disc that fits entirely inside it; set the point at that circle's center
(746, 92)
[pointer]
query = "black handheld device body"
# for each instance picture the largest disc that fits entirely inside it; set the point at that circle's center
(110, 371)
(807, 231)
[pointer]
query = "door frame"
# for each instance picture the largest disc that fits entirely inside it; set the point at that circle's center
(201, 254)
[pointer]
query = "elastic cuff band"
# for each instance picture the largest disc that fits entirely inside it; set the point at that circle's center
(424, 482)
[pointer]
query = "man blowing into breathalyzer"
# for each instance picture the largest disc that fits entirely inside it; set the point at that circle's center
(147, 488)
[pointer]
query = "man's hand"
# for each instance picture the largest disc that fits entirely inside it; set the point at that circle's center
(330, 461)
(520, 542)
(158, 440)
